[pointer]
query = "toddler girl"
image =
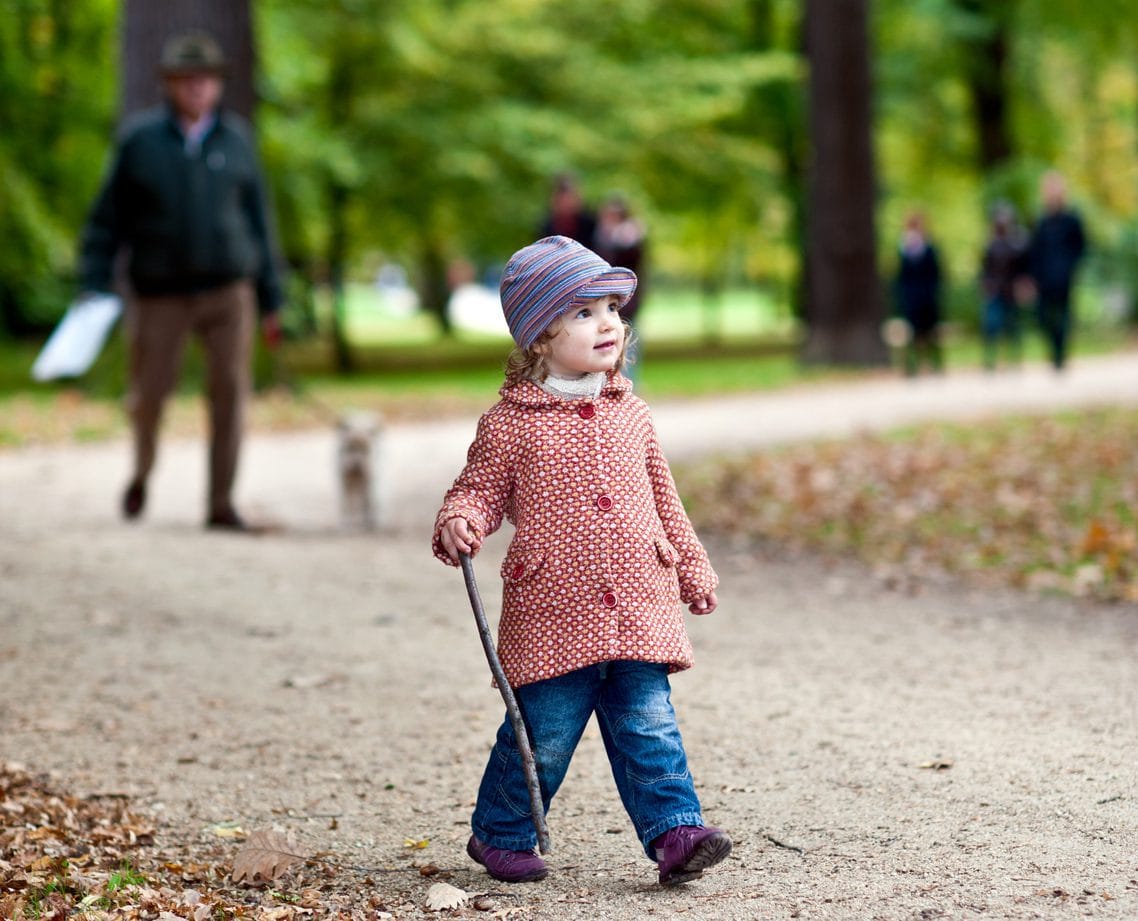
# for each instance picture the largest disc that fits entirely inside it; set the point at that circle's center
(603, 557)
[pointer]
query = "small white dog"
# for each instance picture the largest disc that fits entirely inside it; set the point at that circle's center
(359, 439)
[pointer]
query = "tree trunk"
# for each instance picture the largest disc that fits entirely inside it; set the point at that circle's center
(845, 307)
(986, 61)
(147, 25)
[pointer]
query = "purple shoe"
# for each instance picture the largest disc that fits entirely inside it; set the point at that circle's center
(684, 852)
(507, 866)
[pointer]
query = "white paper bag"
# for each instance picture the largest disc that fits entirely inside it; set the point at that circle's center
(76, 342)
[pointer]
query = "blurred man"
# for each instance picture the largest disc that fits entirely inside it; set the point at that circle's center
(185, 200)
(568, 216)
(1057, 246)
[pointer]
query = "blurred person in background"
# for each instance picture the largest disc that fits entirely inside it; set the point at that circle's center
(184, 201)
(918, 292)
(568, 216)
(1058, 244)
(621, 240)
(1002, 273)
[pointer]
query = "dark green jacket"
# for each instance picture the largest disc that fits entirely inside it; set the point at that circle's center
(190, 220)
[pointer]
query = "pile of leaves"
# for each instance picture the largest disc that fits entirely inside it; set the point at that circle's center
(63, 856)
(1047, 504)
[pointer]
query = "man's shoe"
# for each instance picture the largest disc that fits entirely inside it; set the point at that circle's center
(507, 866)
(231, 521)
(134, 500)
(684, 852)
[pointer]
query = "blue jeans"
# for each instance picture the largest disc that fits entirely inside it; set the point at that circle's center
(1000, 319)
(633, 704)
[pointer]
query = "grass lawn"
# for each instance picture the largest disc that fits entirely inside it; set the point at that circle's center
(673, 315)
(61, 413)
(408, 372)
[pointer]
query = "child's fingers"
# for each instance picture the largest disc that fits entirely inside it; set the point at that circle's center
(469, 536)
(448, 544)
(705, 604)
(458, 538)
(464, 537)
(453, 543)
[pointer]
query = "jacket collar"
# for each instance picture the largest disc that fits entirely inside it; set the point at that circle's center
(527, 393)
(212, 121)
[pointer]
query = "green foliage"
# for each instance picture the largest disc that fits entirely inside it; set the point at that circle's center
(56, 99)
(1072, 106)
(427, 131)
(39, 897)
(445, 120)
(125, 875)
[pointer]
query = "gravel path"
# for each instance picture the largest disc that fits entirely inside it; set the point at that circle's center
(949, 754)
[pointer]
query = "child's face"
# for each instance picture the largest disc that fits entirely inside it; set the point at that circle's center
(588, 338)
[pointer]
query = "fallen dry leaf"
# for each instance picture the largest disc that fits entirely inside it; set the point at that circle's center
(266, 856)
(1042, 503)
(104, 839)
(444, 897)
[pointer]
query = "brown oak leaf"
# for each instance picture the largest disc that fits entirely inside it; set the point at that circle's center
(266, 856)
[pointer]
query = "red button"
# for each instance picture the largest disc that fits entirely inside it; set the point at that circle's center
(604, 503)
(608, 599)
(587, 411)
(518, 571)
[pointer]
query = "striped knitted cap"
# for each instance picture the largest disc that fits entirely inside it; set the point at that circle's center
(548, 277)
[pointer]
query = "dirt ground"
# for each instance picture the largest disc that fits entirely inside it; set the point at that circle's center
(948, 753)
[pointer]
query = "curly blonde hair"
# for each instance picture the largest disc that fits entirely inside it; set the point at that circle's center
(533, 363)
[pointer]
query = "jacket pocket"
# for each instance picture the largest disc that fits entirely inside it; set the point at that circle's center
(666, 553)
(521, 564)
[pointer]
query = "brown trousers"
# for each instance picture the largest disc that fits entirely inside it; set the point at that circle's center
(157, 328)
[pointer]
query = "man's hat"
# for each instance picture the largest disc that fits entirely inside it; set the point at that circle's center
(193, 52)
(548, 277)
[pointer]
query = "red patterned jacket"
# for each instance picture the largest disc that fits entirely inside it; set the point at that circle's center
(603, 553)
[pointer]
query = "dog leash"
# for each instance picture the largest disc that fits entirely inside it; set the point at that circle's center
(283, 377)
(525, 748)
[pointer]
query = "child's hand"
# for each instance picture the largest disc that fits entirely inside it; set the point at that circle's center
(704, 604)
(458, 537)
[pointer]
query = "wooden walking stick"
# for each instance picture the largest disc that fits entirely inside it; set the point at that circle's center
(537, 808)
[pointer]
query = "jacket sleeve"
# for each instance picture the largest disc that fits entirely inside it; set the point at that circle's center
(1078, 239)
(103, 233)
(482, 490)
(696, 576)
(269, 287)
